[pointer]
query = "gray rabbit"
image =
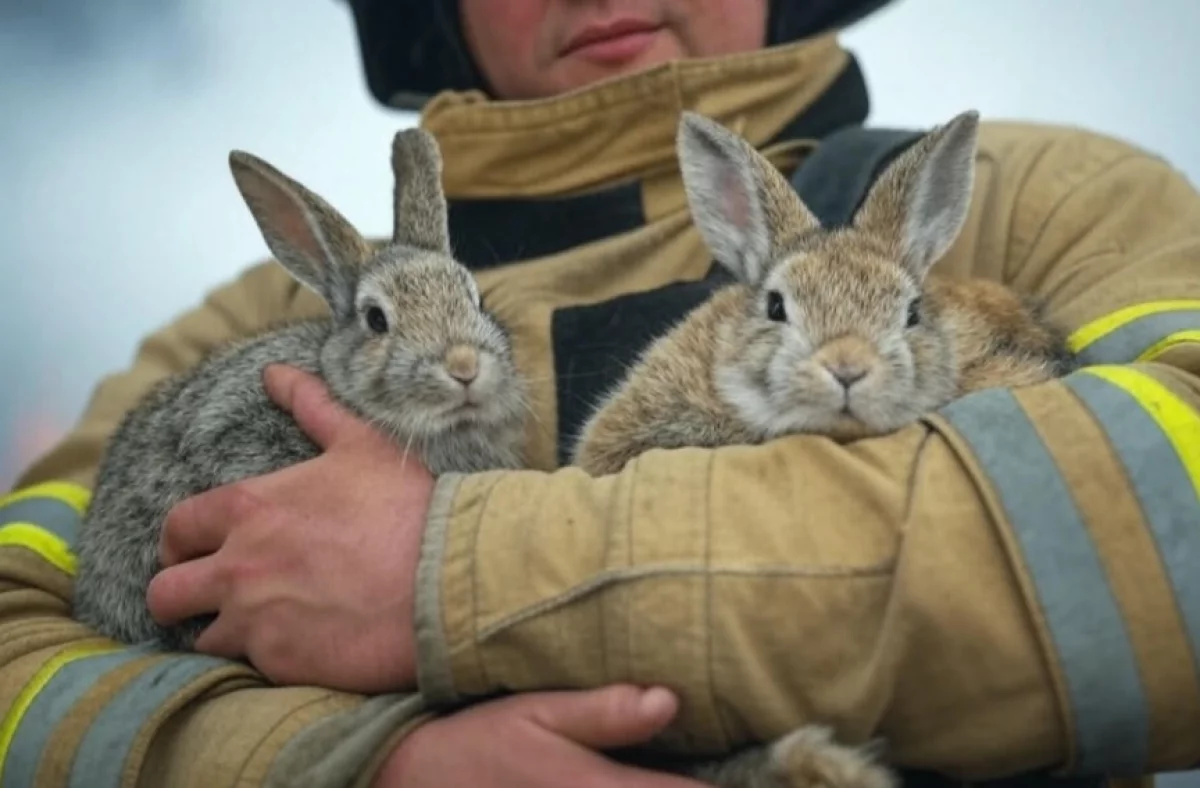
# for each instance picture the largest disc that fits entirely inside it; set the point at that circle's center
(407, 346)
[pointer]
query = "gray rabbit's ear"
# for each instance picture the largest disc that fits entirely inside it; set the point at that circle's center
(420, 202)
(921, 200)
(314, 242)
(742, 206)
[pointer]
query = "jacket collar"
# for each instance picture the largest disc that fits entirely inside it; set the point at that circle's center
(624, 129)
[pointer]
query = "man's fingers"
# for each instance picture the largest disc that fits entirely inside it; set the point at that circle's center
(620, 715)
(199, 525)
(192, 588)
(221, 638)
(632, 777)
(307, 398)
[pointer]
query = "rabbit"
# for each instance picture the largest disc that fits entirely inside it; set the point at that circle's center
(837, 332)
(406, 345)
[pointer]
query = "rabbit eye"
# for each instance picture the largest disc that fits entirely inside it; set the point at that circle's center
(775, 310)
(377, 320)
(914, 312)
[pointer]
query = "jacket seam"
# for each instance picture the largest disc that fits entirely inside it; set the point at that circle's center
(881, 569)
(474, 574)
(1019, 189)
(1103, 168)
(710, 657)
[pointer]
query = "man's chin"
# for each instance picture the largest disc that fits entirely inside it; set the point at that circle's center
(579, 70)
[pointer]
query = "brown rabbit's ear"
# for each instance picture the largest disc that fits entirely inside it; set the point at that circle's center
(741, 204)
(921, 200)
(314, 242)
(420, 202)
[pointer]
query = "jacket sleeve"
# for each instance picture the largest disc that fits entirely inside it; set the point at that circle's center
(80, 710)
(1012, 585)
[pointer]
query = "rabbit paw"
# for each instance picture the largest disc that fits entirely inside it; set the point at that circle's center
(810, 758)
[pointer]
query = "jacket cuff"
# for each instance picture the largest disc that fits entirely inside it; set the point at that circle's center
(348, 747)
(434, 675)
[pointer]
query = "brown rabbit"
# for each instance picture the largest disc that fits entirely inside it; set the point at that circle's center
(838, 332)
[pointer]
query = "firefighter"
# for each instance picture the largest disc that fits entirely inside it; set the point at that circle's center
(1009, 588)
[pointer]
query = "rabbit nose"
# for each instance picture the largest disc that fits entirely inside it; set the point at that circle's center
(462, 363)
(847, 374)
(848, 359)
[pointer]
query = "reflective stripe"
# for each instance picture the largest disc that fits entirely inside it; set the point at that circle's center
(1157, 438)
(18, 761)
(43, 543)
(75, 496)
(1137, 333)
(45, 519)
(57, 517)
(1108, 706)
(101, 757)
(1168, 342)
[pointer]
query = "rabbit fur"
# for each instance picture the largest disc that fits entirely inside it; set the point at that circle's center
(839, 332)
(406, 345)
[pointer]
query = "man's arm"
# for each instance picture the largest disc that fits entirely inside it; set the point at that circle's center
(79, 710)
(1010, 585)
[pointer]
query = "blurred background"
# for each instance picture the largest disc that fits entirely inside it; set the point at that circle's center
(117, 210)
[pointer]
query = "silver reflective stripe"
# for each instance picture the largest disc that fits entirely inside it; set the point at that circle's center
(55, 701)
(101, 757)
(1164, 489)
(50, 513)
(1108, 704)
(1125, 344)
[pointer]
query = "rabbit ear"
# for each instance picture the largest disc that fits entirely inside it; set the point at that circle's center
(922, 199)
(306, 235)
(741, 204)
(420, 203)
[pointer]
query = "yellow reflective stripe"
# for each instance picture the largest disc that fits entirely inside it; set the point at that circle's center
(1137, 332)
(1156, 435)
(29, 693)
(75, 496)
(1168, 342)
(1090, 332)
(54, 507)
(46, 544)
(1179, 422)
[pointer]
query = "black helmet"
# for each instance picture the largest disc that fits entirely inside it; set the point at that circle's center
(412, 49)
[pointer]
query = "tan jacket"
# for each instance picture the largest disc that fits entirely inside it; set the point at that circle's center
(1011, 585)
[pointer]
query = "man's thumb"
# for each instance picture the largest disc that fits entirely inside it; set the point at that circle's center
(306, 397)
(620, 715)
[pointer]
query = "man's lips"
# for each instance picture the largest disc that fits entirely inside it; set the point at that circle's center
(615, 42)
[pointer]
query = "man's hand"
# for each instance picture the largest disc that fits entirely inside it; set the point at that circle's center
(310, 569)
(537, 740)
